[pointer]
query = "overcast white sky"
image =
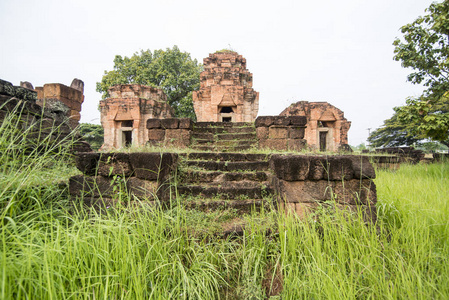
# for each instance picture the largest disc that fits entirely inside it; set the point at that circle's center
(328, 50)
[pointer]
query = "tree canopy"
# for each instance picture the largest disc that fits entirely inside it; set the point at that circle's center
(393, 133)
(172, 70)
(425, 49)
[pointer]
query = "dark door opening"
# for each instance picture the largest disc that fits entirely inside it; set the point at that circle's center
(227, 119)
(323, 137)
(128, 138)
(226, 110)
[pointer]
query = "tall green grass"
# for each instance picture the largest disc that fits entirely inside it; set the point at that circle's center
(49, 250)
(404, 257)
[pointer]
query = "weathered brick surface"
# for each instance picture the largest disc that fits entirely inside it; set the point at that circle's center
(225, 82)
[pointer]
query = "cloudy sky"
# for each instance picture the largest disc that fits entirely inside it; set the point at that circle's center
(328, 50)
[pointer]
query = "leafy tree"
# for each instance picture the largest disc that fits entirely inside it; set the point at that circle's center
(172, 70)
(425, 49)
(93, 134)
(393, 133)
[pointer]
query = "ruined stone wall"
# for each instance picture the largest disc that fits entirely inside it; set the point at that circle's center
(281, 132)
(304, 183)
(324, 121)
(52, 95)
(226, 92)
(109, 178)
(124, 115)
(40, 126)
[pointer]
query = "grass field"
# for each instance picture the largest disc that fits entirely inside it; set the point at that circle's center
(51, 251)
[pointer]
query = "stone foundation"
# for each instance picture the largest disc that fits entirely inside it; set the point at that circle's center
(304, 183)
(281, 133)
(298, 183)
(112, 177)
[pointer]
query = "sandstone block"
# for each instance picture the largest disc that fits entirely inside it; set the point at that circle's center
(177, 137)
(264, 121)
(362, 167)
(142, 189)
(111, 164)
(278, 132)
(296, 132)
(156, 134)
(153, 123)
(281, 120)
(297, 145)
(262, 132)
(340, 168)
(185, 123)
(298, 120)
(171, 123)
(87, 162)
(290, 167)
(91, 186)
(279, 144)
(153, 166)
(318, 168)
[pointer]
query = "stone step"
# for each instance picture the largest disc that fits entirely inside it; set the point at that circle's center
(219, 177)
(229, 190)
(229, 166)
(222, 124)
(215, 130)
(228, 156)
(236, 136)
(212, 148)
(242, 206)
(203, 135)
(235, 143)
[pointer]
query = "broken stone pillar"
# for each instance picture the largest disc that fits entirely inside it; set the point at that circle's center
(226, 93)
(57, 96)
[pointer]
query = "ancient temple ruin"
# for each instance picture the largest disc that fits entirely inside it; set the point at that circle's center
(226, 93)
(57, 96)
(327, 128)
(125, 113)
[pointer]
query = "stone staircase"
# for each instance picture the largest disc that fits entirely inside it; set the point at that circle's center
(223, 136)
(229, 180)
